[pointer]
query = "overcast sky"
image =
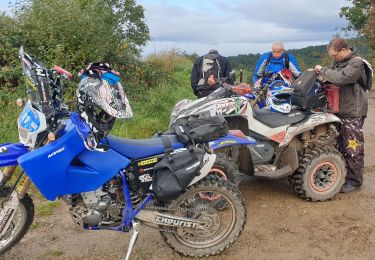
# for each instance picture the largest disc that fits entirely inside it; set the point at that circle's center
(238, 26)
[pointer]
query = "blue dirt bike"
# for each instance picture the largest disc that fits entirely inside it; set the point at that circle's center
(118, 184)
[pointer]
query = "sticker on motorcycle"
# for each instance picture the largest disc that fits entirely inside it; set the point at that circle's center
(149, 161)
(227, 142)
(279, 137)
(29, 120)
(3, 149)
(145, 178)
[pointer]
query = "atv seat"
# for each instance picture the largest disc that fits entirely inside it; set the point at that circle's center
(276, 119)
(141, 148)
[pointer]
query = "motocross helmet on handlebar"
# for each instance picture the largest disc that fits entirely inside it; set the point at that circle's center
(279, 97)
(101, 98)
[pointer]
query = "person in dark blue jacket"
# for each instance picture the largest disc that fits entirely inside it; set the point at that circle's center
(275, 61)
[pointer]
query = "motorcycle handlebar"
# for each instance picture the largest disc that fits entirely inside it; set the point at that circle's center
(63, 72)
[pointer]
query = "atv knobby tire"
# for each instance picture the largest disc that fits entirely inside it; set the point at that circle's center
(231, 193)
(320, 174)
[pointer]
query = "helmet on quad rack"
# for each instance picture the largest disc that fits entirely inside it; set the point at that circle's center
(279, 97)
(101, 99)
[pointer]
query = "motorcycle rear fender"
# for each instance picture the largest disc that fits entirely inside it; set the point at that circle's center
(313, 121)
(9, 153)
(231, 140)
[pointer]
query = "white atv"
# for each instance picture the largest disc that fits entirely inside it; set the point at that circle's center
(300, 144)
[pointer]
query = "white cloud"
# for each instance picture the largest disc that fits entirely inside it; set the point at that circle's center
(239, 27)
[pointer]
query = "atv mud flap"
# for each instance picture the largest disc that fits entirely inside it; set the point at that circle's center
(9, 153)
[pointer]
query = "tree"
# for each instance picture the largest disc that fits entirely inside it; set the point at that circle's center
(73, 33)
(361, 17)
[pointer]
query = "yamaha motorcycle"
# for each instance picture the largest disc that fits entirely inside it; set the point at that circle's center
(117, 188)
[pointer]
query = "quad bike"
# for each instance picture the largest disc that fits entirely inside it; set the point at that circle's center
(299, 145)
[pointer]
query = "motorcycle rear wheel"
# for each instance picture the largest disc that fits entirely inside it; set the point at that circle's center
(225, 217)
(21, 223)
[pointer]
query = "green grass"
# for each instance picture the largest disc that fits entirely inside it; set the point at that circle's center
(151, 109)
(55, 252)
(46, 208)
(151, 113)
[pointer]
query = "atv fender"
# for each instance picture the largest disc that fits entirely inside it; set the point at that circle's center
(311, 122)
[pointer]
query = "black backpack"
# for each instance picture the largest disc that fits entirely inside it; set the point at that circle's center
(367, 82)
(210, 66)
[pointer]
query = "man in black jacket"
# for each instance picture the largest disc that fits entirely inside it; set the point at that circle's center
(349, 74)
(207, 70)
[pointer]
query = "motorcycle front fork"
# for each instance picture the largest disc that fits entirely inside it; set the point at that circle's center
(22, 184)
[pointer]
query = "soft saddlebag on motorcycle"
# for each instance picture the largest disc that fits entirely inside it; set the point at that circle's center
(201, 130)
(308, 91)
(175, 172)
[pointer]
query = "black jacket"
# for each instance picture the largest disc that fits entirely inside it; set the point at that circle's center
(196, 75)
(347, 74)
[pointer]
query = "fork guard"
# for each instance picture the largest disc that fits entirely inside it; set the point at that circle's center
(9, 153)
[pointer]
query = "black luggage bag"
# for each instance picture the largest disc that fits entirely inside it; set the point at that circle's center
(308, 91)
(197, 129)
(175, 172)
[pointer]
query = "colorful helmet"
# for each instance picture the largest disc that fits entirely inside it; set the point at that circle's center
(101, 99)
(279, 97)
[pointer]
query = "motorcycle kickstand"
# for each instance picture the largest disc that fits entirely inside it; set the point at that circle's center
(133, 237)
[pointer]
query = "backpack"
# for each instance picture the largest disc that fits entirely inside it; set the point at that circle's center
(210, 66)
(367, 82)
(286, 60)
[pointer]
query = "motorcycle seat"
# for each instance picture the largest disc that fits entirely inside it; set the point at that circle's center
(276, 119)
(141, 148)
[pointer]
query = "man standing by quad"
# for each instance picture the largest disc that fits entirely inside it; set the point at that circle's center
(353, 75)
(275, 61)
(207, 70)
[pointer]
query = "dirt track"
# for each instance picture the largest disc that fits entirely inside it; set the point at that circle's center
(279, 226)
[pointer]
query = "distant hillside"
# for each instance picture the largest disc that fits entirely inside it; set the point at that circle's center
(307, 57)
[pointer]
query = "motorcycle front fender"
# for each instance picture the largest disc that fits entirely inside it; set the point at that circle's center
(9, 153)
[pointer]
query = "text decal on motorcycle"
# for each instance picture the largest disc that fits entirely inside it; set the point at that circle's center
(176, 222)
(149, 161)
(5, 219)
(56, 152)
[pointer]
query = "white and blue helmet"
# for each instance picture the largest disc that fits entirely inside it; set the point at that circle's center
(279, 97)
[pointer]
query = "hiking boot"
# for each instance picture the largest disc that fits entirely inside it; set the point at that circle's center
(348, 187)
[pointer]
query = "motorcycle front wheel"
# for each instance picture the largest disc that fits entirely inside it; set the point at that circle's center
(21, 223)
(225, 218)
